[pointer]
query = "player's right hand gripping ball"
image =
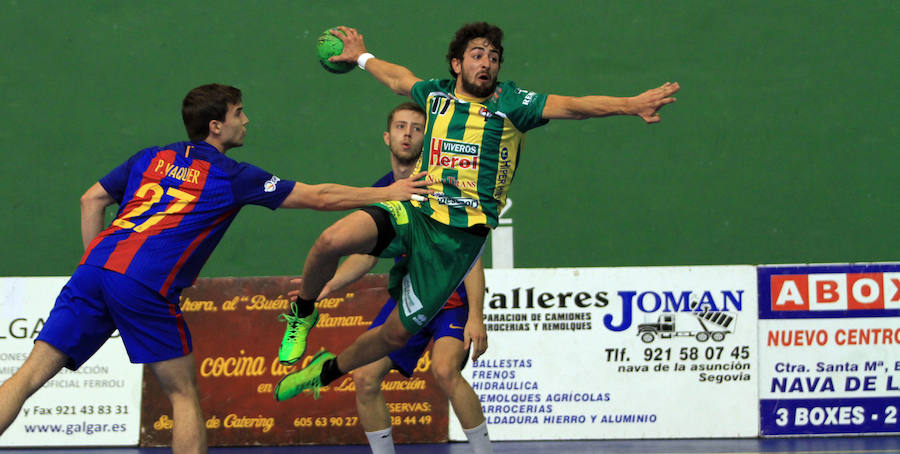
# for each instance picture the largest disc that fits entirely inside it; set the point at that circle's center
(329, 46)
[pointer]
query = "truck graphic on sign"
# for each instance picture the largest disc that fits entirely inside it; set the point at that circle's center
(702, 326)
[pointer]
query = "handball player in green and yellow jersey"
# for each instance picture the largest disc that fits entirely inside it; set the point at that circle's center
(474, 134)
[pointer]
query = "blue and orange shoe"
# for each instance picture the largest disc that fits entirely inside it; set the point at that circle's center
(310, 377)
(293, 344)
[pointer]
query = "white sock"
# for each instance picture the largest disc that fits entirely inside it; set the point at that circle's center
(381, 441)
(479, 439)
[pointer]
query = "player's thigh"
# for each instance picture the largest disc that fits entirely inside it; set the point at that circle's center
(393, 329)
(44, 362)
(406, 358)
(355, 233)
(176, 376)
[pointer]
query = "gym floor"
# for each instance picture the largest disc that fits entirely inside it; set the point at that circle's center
(854, 445)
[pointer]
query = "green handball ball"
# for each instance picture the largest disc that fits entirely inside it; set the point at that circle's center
(329, 46)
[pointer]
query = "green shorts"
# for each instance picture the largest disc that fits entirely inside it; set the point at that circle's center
(434, 259)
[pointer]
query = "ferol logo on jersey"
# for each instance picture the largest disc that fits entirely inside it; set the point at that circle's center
(453, 154)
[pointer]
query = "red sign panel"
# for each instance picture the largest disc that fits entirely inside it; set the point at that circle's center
(236, 334)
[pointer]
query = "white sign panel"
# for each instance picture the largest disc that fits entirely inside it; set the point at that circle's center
(603, 353)
(97, 405)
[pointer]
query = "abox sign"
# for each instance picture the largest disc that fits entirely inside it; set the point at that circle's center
(828, 340)
(829, 291)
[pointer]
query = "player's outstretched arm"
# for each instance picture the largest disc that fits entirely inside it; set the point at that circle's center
(645, 105)
(337, 197)
(93, 210)
(398, 78)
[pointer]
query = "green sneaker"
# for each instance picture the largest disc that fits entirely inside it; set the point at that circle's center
(293, 344)
(310, 377)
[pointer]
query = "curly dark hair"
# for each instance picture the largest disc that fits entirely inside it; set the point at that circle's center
(468, 32)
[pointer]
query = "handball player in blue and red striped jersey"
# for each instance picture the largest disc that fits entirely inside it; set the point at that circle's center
(175, 203)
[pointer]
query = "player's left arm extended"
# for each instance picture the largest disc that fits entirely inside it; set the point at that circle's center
(93, 210)
(337, 197)
(398, 78)
(475, 334)
(645, 105)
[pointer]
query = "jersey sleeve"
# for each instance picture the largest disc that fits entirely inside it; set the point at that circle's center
(116, 181)
(524, 108)
(254, 186)
(421, 89)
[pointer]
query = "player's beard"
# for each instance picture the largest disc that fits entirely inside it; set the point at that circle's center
(478, 91)
(404, 159)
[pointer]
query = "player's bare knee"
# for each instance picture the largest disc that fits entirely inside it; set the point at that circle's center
(446, 375)
(333, 241)
(366, 383)
(326, 244)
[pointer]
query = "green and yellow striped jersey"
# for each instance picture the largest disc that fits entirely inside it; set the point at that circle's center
(472, 148)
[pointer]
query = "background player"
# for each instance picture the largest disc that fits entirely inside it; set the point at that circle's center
(175, 203)
(474, 135)
(454, 329)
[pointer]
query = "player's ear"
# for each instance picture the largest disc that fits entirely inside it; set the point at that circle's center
(387, 138)
(215, 127)
(456, 64)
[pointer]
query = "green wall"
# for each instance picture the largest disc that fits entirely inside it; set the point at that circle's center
(778, 150)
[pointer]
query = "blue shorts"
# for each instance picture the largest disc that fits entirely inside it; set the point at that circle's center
(447, 322)
(95, 302)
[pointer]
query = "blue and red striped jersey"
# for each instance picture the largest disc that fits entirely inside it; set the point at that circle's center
(459, 297)
(175, 203)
